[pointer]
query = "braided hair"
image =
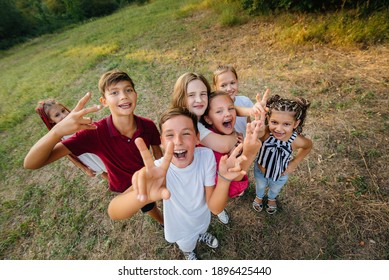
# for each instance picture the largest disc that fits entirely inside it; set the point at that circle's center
(297, 105)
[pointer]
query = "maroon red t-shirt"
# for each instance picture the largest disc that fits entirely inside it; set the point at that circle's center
(119, 153)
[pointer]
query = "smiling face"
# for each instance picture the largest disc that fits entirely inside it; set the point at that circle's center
(227, 82)
(197, 97)
(57, 113)
(282, 124)
(121, 98)
(222, 115)
(179, 130)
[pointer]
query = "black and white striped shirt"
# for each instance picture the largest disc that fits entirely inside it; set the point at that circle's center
(275, 156)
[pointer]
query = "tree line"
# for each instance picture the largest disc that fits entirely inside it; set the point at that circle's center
(362, 7)
(22, 19)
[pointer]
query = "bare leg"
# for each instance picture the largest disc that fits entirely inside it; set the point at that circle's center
(156, 214)
(105, 175)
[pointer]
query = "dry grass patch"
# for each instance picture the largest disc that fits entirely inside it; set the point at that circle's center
(335, 206)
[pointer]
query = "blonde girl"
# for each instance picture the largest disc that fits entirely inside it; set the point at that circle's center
(225, 78)
(191, 91)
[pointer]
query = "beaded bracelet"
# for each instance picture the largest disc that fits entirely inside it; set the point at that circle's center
(224, 178)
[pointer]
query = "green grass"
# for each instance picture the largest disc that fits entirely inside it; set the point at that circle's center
(59, 213)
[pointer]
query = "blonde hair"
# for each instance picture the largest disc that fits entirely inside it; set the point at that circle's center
(220, 70)
(180, 91)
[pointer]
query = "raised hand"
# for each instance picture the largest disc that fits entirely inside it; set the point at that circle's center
(254, 130)
(230, 166)
(257, 126)
(76, 120)
(260, 106)
(150, 182)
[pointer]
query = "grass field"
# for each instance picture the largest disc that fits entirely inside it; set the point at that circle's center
(334, 207)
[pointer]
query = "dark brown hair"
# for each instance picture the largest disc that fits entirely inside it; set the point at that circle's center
(297, 105)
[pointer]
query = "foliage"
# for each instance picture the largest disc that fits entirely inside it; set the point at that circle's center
(12, 22)
(266, 6)
(21, 19)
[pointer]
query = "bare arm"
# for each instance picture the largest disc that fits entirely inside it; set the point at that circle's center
(304, 147)
(80, 165)
(258, 108)
(229, 169)
(243, 111)
(125, 205)
(251, 143)
(148, 185)
(220, 143)
(49, 148)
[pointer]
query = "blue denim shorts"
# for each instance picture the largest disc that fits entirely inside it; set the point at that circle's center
(261, 183)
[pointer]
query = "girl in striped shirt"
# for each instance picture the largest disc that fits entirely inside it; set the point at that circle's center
(285, 120)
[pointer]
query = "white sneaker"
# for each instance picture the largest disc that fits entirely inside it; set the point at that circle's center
(223, 217)
(209, 239)
(190, 256)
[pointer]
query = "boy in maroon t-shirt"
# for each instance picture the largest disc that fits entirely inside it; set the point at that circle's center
(111, 138)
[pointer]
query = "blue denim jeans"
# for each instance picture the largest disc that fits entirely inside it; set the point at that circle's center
(261, 183)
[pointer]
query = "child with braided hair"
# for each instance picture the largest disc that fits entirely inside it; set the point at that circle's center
(51, 113)
(282, 135)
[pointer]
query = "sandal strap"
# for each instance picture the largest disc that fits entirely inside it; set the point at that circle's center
(259, 204)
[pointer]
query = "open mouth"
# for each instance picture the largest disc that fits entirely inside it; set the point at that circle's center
(278, 134)
(125, 106)
(227, 124)
(180, 154)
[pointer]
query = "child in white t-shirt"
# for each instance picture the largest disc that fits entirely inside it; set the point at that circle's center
(185, 179)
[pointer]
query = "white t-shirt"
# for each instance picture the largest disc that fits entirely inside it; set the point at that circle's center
(91, 160)
(241, 122)
(203, 131)
(186, 213)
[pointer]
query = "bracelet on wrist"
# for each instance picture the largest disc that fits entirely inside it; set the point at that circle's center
(224, 178)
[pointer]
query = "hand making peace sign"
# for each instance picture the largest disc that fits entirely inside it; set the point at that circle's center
(150, 182)
(76, 120)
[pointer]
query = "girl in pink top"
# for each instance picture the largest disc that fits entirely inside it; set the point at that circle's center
(220, 117)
